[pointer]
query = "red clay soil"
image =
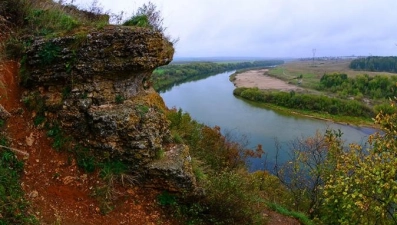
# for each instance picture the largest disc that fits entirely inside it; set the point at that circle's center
(61, 193)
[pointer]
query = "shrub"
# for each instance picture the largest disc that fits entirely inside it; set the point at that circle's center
(166, 199)
(147, 16)
(362, 187)
(49, 53)
(138, 21)
(385, 109)
(233, 197)
(316, 103)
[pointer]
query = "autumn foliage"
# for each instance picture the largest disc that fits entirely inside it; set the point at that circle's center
(363, 187)
(339, 184)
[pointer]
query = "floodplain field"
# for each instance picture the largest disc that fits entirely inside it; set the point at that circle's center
(312, 71)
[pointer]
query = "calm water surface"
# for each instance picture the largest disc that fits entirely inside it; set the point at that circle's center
(211, 101)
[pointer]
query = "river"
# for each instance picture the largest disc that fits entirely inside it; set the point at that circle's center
(211, 101)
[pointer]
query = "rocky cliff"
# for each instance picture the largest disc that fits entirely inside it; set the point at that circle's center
(96, 86)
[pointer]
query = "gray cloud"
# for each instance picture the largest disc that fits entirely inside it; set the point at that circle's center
(275, 28)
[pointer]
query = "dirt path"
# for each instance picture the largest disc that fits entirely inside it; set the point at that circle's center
(259, 79)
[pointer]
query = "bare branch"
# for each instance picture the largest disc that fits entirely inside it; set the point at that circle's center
(15, 150)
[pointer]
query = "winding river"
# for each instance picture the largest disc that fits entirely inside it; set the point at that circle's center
(211, 101)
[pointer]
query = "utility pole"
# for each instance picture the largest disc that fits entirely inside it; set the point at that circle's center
(314, 54)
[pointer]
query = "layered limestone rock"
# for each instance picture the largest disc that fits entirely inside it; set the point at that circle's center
(96, 85)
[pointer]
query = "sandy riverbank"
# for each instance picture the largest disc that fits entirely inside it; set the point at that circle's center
(257, 78)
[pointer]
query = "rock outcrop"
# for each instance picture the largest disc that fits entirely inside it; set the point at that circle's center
(97, 86)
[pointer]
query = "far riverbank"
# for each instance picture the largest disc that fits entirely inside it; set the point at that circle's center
(259, 80)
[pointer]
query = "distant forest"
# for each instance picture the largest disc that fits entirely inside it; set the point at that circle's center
(166, 76)
(375, 64)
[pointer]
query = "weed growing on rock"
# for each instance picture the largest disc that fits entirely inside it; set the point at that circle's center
(49, 53)
(23, 72)
(160, 154)
(34, 102)
(142, 110)
(119, 99)
(66, 92)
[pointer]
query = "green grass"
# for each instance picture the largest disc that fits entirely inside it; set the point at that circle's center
(112, 168)
(138, 21)
(297, 215)
(63, 142)
(142, 110)
(48, 22)
(111, 172)
(309, 79)
(13, 206)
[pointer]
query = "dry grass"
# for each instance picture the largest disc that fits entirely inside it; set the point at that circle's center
(312, 72)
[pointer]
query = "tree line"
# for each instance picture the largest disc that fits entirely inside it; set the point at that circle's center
(374, 87)
(167, 76)
(315, 103)
(376, 64)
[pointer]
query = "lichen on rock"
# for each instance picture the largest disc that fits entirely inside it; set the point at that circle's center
(96, 86)
(171, 169)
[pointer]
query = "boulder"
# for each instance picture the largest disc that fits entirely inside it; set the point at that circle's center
(173, 170)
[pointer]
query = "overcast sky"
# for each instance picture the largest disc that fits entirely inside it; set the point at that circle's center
(274, 28)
